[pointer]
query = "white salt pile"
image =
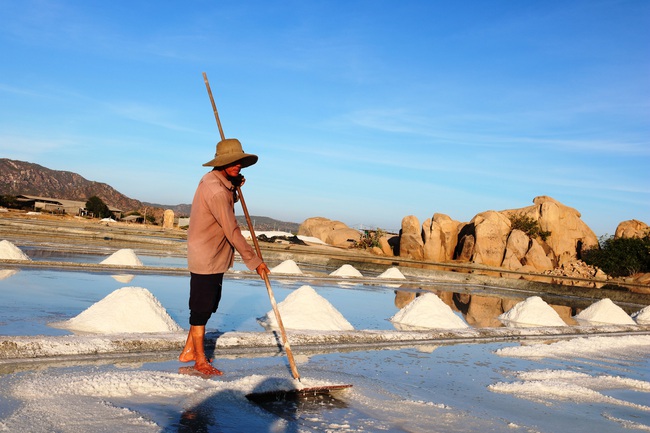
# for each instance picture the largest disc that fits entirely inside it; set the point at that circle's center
(392, 273)
(126, 310)
(427, 311)
(642, 317)
(346, 271)
(311, 240)
(305, 309)
(533, 312)
(270, 234)
(9, 251)
(126, 257)
(605, 311)
(286, 267)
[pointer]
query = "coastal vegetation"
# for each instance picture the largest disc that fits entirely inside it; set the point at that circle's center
(528, 225)
(620, 257)
(97, 207)
(369, 239)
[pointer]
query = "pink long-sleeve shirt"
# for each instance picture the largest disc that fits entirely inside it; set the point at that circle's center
(214, 234)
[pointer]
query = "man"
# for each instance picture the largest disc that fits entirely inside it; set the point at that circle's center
(212, 237)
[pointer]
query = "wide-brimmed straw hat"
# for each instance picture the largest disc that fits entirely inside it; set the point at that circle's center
(229, 151)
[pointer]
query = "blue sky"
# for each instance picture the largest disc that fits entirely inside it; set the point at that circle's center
(360, 111)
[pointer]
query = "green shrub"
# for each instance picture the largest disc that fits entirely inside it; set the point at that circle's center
(528, 225)
(620, 257)
(97, 207)
(9, 201)
(369, 239)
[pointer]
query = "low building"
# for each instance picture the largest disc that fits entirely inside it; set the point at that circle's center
(133, 219)
(59, 206)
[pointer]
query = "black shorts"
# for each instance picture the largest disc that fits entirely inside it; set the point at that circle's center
(205, 294)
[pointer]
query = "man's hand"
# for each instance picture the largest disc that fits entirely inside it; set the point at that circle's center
(237, 181)
(263, 270)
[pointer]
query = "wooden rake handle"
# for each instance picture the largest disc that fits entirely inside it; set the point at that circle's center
(276, 311)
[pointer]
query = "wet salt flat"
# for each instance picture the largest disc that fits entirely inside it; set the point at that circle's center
(46, 296)
(585, 384)
(53, 255)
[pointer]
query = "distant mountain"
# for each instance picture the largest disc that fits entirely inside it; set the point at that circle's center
(262, 223)
(26, 178)
(179, 209)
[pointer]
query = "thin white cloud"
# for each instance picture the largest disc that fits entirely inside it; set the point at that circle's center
(401, 121)
(146, 113)
(19, 91)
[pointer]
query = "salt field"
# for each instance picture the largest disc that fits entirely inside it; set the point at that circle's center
(597, 382)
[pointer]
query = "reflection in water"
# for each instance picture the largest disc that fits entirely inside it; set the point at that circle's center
(480, 311)
(197, 420)
(287, 411)
(123, 278)
(6, 273)
(300, 406)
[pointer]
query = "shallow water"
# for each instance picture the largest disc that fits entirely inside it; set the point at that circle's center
(40, 254)
(32, 298)
(442, 388)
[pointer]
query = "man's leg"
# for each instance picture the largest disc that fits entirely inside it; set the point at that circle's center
(201, 363)
(205, 294)
(188, 354)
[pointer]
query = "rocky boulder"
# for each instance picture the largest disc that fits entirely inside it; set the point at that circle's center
(389, 245)
(491, 231)
(466, 240)
(168, 219)
(536, 257)
(632, 229)
(331, 232)
(411, 243)
(440, 238)
(516, 249)
(489, 238)
(570, 236)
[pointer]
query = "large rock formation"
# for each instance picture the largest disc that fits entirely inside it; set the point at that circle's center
(331, 232)
(489, 238)
(632, 229)
(569, 234)
(557, 239)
